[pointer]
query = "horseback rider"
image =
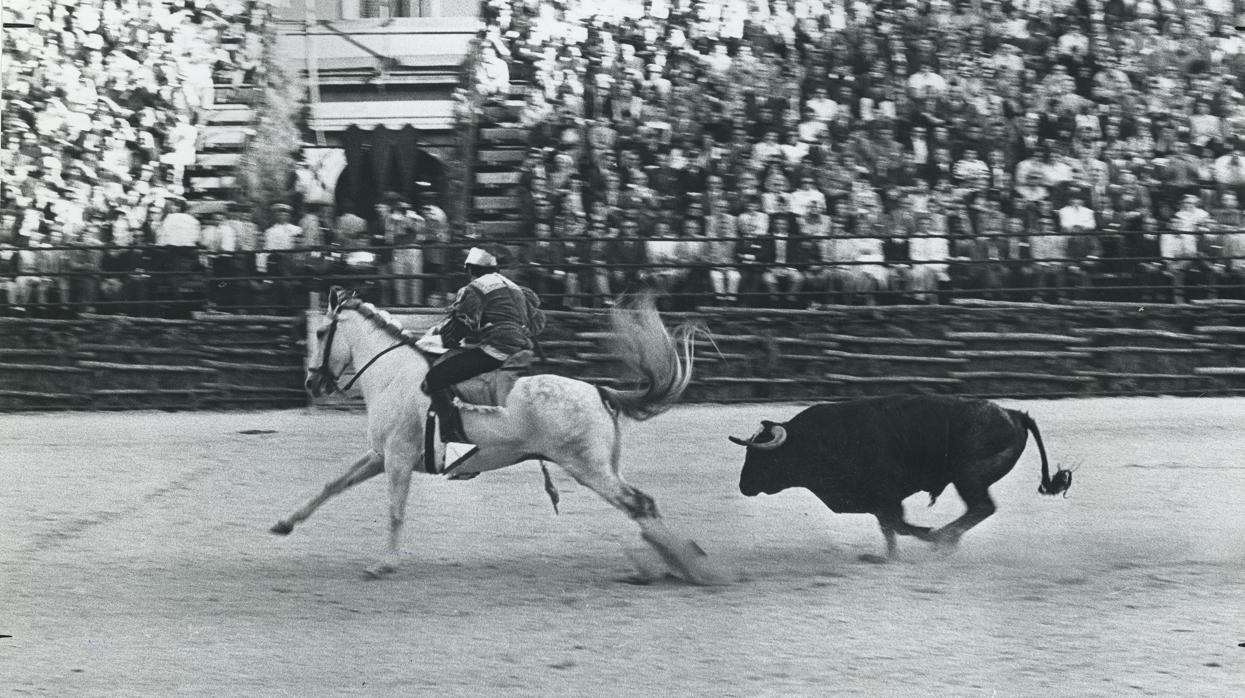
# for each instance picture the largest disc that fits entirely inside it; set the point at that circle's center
(496, 319)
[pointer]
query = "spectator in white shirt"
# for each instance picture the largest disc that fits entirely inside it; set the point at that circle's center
(1229, 170)
(807, 197)
(1076, 217)
(1180, 249)
(179, 228)
(811, 128)
(935, 252)
(971, 172)
(823, 107)
(926, 83)
(493, 73)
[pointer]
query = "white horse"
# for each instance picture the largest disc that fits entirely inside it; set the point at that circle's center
(553, 418)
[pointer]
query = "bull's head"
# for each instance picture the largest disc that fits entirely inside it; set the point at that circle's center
(765, 467)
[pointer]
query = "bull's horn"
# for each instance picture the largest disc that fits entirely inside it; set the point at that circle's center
(780, 437)
(741, 442)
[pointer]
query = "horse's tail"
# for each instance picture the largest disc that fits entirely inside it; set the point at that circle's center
(663, 360)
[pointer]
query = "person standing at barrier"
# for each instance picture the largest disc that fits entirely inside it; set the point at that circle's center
(247, 237)
(436, 236)
(499, 319)
(220, 243)
(406, 227)
(277, 259)
(1232, 247)
(178, 256)
(1179, 248)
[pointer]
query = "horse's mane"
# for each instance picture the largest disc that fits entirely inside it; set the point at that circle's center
(379, 318)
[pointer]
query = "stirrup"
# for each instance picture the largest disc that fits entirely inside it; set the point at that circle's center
(456, 452)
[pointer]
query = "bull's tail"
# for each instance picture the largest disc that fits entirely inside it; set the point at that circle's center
(1063, 478)
(662, 359)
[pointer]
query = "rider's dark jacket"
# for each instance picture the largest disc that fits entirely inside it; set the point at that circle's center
(498, 315)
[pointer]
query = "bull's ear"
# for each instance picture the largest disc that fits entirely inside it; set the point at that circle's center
(765, 423)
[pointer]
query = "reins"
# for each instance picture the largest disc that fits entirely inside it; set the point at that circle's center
(358, 373)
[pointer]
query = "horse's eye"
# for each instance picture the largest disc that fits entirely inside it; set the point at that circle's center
(321, 332)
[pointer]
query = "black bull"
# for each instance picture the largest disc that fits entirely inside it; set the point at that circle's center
(867, 456)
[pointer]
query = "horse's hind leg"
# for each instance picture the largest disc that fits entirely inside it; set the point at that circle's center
(370, 465)
(399, 469)
(682, 555)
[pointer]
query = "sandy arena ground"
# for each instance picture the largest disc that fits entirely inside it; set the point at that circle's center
(135, 559)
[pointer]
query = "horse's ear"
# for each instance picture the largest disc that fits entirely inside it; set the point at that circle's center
(337, 294)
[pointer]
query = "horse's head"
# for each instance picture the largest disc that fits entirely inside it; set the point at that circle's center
(330, 358)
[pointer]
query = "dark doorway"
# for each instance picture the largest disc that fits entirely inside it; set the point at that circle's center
(384, 160)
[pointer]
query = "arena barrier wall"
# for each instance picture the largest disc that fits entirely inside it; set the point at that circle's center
(218, 361)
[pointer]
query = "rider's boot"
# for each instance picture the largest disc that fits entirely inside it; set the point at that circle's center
(457, 448)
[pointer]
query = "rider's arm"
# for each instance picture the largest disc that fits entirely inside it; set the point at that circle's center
(463, 321)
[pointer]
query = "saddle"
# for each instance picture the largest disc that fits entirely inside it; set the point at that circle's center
(491, 389)
(483, 392)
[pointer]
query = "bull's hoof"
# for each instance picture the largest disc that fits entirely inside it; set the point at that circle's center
(282, 528)
(380, 571)
(945, 543)
(873, 559)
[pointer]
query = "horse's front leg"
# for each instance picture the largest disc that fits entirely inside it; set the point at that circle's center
(686, 559)
(399, 466)
(370, 465)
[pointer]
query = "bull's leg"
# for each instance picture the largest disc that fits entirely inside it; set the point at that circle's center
(980, 506)
(370, 465)
(892, 548)
(682, 555)
(399, 466)
(891, 520)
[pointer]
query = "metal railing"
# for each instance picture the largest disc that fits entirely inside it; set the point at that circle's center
(155, 280)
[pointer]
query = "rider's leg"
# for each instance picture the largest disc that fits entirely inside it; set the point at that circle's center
(443, 376)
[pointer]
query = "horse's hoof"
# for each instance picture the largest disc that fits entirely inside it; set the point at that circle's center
(873, 559)
(380, 571)
(282, 528)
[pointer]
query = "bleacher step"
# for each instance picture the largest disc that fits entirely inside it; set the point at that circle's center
(223, 114)
(225, 136)
(498, 179)
(497, 156)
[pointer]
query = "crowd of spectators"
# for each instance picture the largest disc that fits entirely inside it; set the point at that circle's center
(790, 152)
(104, 103)
(808, 151)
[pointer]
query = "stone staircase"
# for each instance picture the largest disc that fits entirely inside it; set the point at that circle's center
(497, 204)
(213, 179)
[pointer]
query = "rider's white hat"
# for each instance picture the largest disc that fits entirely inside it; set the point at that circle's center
(480, 258)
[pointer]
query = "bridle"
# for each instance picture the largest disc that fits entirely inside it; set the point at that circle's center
(326, 372)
